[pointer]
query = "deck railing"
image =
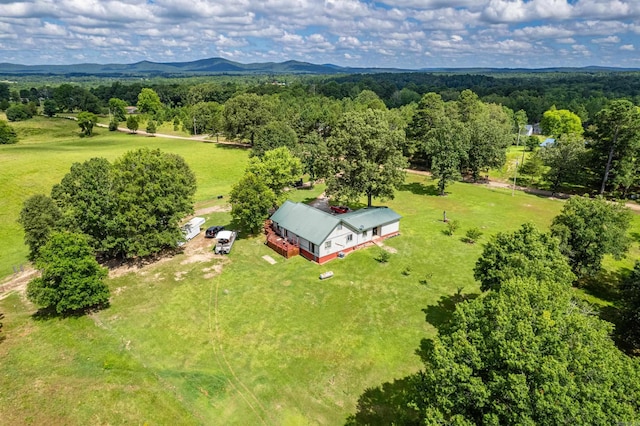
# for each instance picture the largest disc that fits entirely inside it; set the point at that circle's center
(278, 243)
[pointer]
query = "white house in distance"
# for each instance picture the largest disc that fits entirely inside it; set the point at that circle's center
(321, 236)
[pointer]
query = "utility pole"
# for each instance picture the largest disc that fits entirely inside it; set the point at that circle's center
(515, 175)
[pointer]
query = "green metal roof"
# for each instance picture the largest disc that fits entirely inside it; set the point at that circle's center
(315, 225)
(369, 217)
(305, 221)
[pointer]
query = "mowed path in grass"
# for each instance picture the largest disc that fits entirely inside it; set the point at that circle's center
(48, 148)
(235, 340)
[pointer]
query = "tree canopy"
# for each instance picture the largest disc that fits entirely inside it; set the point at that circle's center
(565, 158)
(151, 191)
(251, 199)
(71, 277)
(615, 137)
(272, 136)
(277, 168)
(526, 252)
(526, 354)
(556, 122)
(365, 157)
(589, 228)
(86, 121)
(130, 208)
(39, 217)
(84, 196)
(149, 101)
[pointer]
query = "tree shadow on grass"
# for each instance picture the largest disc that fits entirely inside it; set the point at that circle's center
(440, 315)
(605, 284)
(46, 314)
(418, 188)
(386, 404)
(635, 236)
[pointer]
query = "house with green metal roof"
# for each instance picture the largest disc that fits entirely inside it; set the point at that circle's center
(322, 236)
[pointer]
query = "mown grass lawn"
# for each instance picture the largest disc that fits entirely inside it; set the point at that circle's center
(237, 340)
(48, 148)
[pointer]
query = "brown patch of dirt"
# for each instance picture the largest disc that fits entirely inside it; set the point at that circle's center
(213, 209)
(18, 282)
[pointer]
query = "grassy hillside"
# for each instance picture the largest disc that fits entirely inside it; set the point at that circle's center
(48, 147)
(197, 339)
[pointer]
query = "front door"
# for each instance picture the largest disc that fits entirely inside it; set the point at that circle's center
(375, 231)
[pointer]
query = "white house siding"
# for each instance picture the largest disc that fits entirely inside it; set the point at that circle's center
(390, 228)
(338, 239)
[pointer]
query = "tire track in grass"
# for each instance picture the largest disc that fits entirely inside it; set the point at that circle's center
(222, 359)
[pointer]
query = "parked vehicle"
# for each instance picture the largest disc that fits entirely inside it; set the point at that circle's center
(191, 229)
(225, 242)
(340, 209)
(212, 231)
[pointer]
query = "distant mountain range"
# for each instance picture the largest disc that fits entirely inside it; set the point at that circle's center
(213, 66)
(200, 67)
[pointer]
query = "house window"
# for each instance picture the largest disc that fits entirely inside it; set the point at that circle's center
(312, 248)
(327, 245)
(339, 227)
(364, 234)
(349, 237)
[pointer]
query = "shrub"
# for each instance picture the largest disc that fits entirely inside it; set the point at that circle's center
(7, 134)
(383, 256)
(472, 235)
(452, 226)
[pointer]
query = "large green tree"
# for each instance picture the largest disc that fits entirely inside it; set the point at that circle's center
(85, 199)
(149, 101)
(151, 191)
(117, 108)
(489, 129)
(204, 118)
(526, 252)
(556, 122)
(39, 217)
(614, 137)
(50, 108)
(8, 134)
(590, 228)
(365, 157)
(272, 136)
(565, 158)
(86, 121)
(251, 199)
(71, 277)
(277, 168)
(441, 136)
(526, 354)
(245, 114)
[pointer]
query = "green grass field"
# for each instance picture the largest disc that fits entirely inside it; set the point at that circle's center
(239, 341)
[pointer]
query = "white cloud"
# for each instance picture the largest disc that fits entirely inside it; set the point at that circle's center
(606, 40)
(395, 32)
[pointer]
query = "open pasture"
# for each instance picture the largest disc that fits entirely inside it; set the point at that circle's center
(199, 339)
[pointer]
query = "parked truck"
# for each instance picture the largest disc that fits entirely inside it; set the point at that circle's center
(225, 242)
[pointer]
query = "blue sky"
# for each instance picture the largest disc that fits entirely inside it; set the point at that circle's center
(387, 33)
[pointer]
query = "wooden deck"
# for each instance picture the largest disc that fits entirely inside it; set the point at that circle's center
(278, 244)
